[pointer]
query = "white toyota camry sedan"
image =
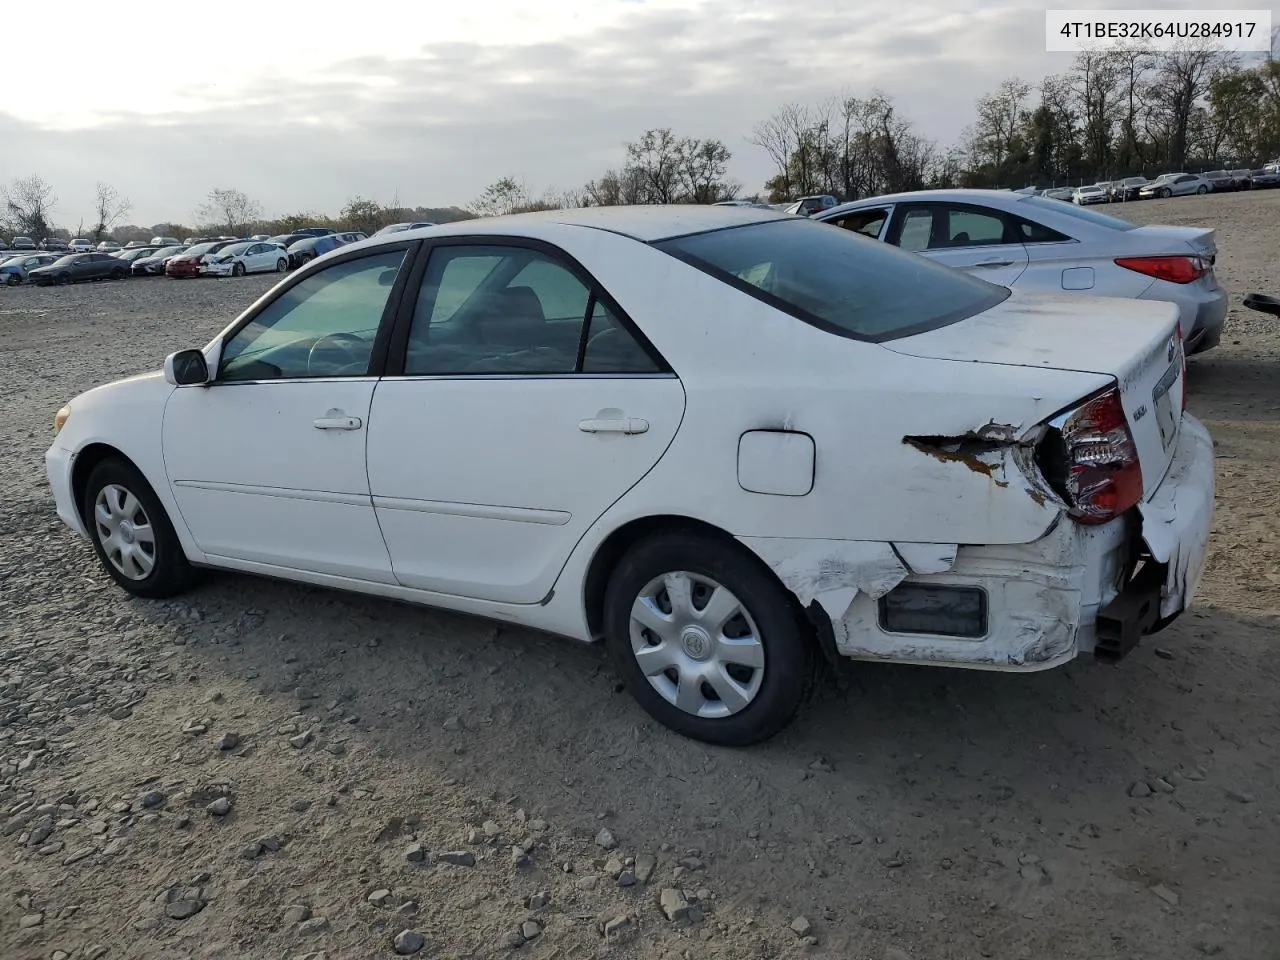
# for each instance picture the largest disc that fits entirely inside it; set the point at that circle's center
(728, 442)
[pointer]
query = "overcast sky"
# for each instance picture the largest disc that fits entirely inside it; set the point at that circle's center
(302, 106)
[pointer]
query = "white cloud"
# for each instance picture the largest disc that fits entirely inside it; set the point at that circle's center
(301, 109)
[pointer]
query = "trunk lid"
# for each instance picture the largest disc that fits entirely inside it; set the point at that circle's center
(1134, 341)
(1170, 240)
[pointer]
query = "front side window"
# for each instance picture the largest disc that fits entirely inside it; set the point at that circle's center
(508, 310)
(866, 222)
(323, 326)
(835, 279)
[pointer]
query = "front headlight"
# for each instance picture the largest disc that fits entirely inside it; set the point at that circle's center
(60, 419)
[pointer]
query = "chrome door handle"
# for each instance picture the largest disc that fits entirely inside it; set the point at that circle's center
(995, 263)
(337, 423)
(628, 425)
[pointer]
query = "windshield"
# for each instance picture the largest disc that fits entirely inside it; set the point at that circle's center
(201, 248)
(235, 249)
(1081, 213)
(846, 284)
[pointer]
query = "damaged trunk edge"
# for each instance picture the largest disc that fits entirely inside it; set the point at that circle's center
(987, 450)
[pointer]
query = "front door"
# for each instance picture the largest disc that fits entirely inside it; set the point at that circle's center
(973, 239)
(525, 406)
(267, 462)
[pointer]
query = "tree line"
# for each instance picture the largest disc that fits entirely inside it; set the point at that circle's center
(1121, 112)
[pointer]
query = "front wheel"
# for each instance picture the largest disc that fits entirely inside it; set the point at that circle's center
(706, 639)
(131, 532)
(1166, 193)
(238, 270)
(119, 274)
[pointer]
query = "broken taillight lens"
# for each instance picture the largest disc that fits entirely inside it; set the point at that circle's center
(1177, 269)
(1091, 461)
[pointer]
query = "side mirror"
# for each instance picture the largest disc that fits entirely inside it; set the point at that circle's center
(186, 368)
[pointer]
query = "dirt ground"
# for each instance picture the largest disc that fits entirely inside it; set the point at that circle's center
(386, 759)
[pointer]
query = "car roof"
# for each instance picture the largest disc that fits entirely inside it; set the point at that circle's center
(644, 222)
(1006, 198)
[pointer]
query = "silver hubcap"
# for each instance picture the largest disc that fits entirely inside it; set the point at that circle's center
(124, 530)
(697, 645)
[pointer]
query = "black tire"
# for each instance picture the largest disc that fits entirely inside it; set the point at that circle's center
(238, 270)
(1202, 189)
(282, 265)
(170, 573)
(787, 642)
(119, 274)
(12, 280)
(1166, 193)
(63, 280)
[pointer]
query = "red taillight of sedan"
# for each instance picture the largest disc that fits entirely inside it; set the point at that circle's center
(1175, 269)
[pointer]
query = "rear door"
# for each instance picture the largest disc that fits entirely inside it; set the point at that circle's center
(975, 239)
(519, 404)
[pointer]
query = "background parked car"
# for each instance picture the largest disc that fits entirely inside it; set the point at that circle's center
(133, 256)
(1090, 193)
(1220, 181)
(76, 267)
(54, 244)
(237, 259)
(1263, 179)
(14, 270)
(1061, 193)
(80, 245)
(287, 240)
(1127, 189)
(1243, 179)
(22, 243)
(808, 206)
(189, 262)
(308, 248)
(164, 241)
(401, 227)
(1175, 185)
(1031, 243)
(153, 265)
(135, 244)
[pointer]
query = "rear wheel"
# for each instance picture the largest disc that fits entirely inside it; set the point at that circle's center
(706, 639)
(12, 279)
(131, 532)
(64, 279)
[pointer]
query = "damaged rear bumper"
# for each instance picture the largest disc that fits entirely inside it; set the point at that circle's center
(1072, 591)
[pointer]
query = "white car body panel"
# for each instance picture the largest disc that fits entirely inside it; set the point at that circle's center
(251, 485)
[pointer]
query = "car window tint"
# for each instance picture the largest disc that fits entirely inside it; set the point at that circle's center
(323, 326)
(917, 227)
(835, 279)
(867, 222)
(611, 348)
(496, 310)
(969, 228)
(1029, 232)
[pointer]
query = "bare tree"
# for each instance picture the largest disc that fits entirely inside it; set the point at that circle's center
(1181, 79)
(1096, 84)
(28, 204)
(364, 215)
(110, 208)
(229, 208)
(614, 189)
(656, 159)
(782, 136)
(701, 172)
(999, 119)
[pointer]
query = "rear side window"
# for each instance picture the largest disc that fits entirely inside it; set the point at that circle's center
(836, 280)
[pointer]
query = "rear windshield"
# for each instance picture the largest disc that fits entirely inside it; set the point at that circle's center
(840, 282)
(1081, 213)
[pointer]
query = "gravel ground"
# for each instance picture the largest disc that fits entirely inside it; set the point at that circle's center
(268, 770)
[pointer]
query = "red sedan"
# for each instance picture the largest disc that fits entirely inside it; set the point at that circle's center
(187, 263)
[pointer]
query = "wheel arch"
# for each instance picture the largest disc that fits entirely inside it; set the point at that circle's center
(611, 550)
(88, 458)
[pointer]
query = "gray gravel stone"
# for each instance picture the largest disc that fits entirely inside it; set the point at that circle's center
(229, 741)
(297, 913)
(220, 807)
(645, 866)
(416, 853)
(1139, 790)
(616, 926)
(183, 909)
(606, 839)
(380, 898)
(459, 858)
(530, 930)
(801, 926)
(674, 905)
(409, 941)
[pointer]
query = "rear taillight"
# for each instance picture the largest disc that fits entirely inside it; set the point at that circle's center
(1173, 269)
(1089, 458)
